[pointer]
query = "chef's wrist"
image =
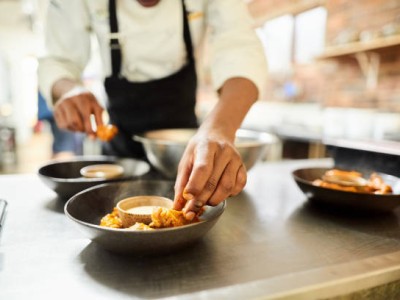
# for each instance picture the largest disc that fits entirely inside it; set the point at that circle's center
(66, 88)
(75, 91)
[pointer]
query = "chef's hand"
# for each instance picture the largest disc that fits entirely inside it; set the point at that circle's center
(210, 170)
(73, 113)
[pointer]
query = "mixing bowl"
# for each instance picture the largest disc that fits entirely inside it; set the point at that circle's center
(164, 148)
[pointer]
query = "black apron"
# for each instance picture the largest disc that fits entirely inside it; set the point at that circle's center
(135, 107)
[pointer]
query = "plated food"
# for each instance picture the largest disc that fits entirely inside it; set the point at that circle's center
(87, 208)
(105, 171)
(161, 217)
(65, 178)
(353, 181)
(358, 190)
(144, 212)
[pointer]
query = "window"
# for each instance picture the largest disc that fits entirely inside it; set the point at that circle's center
(293, 39)
(277, 36)
(309, 35)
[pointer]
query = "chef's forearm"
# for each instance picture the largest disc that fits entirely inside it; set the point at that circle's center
(236, 97)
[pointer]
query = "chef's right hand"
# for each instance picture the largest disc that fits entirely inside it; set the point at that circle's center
(73, 113)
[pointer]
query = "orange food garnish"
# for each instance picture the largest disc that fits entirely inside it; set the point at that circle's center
(106, 132)
(164, 217)
(111, 220)
(161, 218)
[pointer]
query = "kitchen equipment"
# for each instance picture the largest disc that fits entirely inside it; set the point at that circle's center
(378, 155)
(363, 202)
(64, 177)
(8, 149)
(86, 209)
(164, 148)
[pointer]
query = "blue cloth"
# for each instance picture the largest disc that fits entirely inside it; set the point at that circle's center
(44, 113)
(63, 140)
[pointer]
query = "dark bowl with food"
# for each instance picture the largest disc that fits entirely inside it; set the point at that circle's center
(64, 176)
(87, 208)
(349, 200)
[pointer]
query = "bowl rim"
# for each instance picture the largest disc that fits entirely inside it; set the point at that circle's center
(260, 137)
(125, 231)
(141, 137)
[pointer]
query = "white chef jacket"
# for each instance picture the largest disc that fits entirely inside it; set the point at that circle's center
(151, 40)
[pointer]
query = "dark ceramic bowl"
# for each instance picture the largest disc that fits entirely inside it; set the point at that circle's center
(88, 207)
(65, 179)
(348, 200)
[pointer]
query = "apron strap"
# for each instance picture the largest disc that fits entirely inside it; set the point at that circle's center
(115, 47)
(186, 34)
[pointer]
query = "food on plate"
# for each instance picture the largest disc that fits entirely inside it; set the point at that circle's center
(161, 217)
(353, 181)
(111, 220)
(106, 132)
(377, 184)
(106, 171)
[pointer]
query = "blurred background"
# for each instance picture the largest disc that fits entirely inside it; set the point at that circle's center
(334, 72)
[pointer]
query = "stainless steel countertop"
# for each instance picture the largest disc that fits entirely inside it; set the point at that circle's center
(375, 146)
(270, 243)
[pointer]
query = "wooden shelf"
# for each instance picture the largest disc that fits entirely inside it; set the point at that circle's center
(357, 47)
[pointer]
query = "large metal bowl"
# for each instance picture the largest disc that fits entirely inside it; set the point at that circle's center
(164, 148)
(64, 177)
(86, 209)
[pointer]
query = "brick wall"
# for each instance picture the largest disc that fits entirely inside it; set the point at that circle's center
(339, 81)
(346, 81)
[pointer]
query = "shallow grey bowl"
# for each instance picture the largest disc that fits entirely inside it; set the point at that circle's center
(65, 179)
(87, 208)
(164, 148)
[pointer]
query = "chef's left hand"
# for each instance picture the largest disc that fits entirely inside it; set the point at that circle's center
(210, 170)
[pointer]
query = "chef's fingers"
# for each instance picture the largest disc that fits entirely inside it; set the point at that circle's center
(90, 107)
(241, 180)
(60, 118)
(184, 168)
(97, 111)
(85, 112)
(74, 117)
(76, 112)
(225, 156)
(232, 183)
(200, 178)
(67, 115)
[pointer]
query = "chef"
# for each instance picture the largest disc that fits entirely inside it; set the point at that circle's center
(148, 50)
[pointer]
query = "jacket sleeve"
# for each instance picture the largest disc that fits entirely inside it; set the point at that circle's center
(235, 49)
(67, 44)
